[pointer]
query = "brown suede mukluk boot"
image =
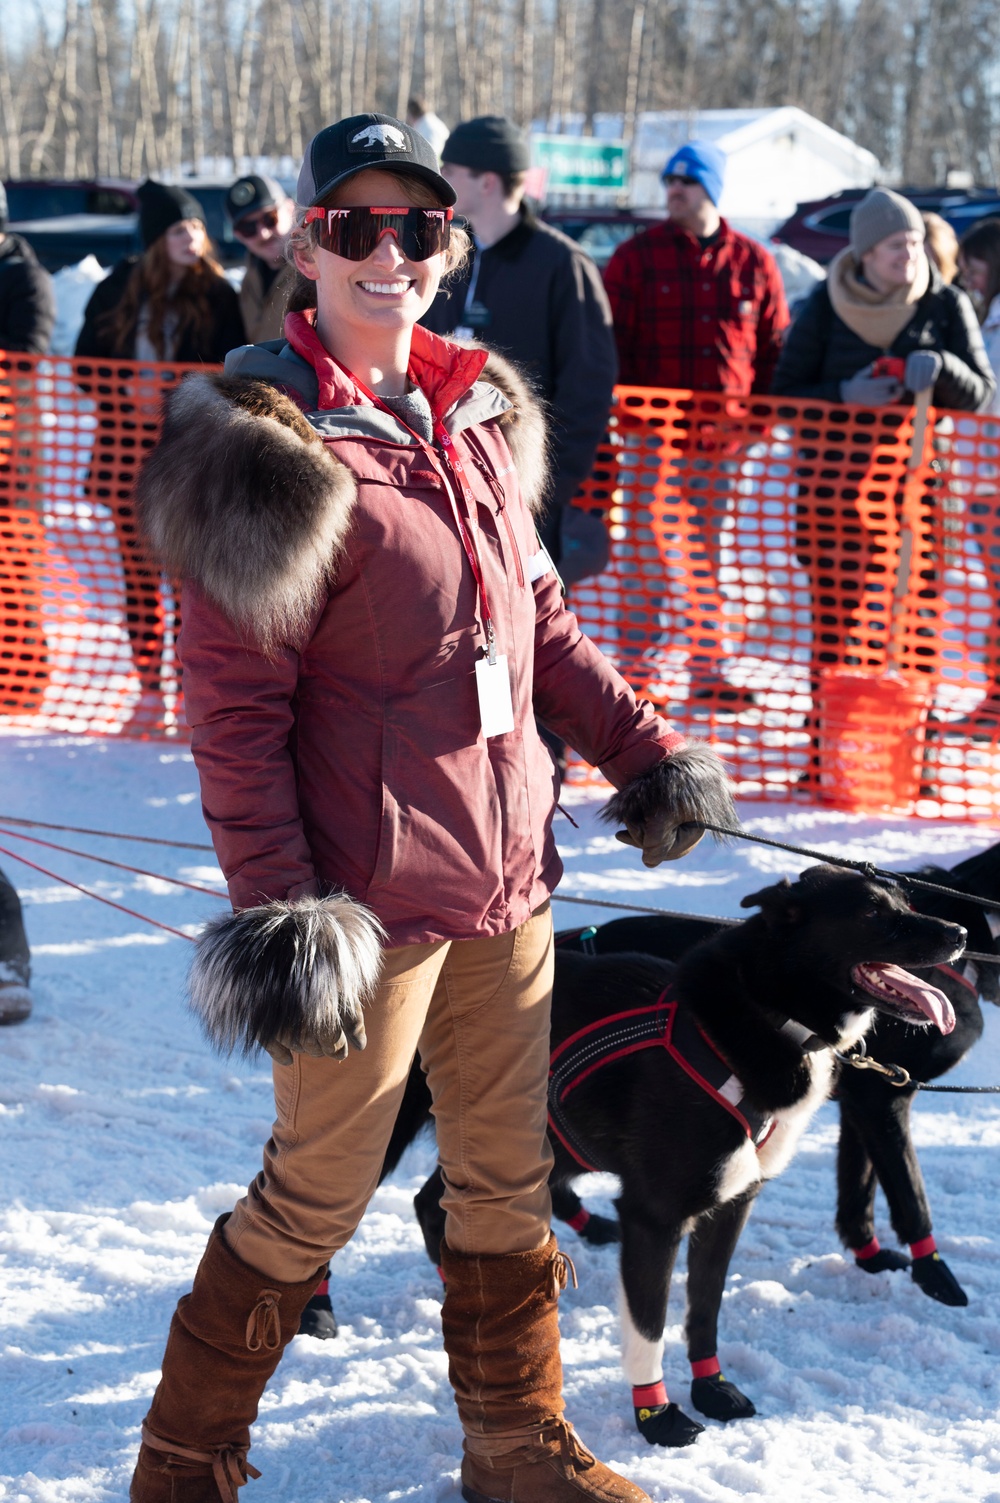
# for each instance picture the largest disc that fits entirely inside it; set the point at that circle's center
(501, 1333)
(226, 1339)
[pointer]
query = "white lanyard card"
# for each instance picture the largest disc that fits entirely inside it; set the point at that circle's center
(496, 710)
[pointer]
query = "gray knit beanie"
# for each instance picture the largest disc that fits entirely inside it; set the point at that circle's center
(879, 214)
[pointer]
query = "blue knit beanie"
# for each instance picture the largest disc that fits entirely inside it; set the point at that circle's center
(700, 160)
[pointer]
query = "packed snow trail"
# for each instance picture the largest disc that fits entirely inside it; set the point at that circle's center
(122, 1138)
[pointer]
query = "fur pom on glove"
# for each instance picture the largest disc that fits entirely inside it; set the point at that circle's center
(288, 977)
(664, 808)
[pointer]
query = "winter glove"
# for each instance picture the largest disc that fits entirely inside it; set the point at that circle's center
(867, 390)
(665, 808)
(661, 838)
(288, 977)
(331, 1045)
(922, 370)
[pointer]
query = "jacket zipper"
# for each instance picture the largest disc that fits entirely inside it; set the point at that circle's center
(501, 502)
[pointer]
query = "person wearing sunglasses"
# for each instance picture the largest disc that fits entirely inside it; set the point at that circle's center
(697, 307)
(370, 625)
(261, 214)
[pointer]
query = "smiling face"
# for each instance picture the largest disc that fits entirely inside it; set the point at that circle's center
(894, 261)
(387, 292)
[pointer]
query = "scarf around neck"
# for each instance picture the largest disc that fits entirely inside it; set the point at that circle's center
(876, 317)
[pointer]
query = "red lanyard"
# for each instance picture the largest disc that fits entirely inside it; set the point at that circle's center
(467, 525)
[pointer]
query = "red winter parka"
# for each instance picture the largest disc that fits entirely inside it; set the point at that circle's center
(331, 628)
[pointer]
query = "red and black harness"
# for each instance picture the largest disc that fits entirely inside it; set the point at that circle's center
(664, 1025)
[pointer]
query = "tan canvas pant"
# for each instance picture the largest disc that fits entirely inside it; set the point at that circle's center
(478, 1010)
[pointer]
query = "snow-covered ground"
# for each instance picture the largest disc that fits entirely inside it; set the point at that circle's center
(122, 1138)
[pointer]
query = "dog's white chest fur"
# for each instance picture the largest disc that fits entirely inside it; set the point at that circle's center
(749, 1165)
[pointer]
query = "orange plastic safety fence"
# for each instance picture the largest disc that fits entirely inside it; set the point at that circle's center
(788, 578)
(794, 581)
(88, 622)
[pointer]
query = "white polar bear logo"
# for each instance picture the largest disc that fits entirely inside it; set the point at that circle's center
(380, 135)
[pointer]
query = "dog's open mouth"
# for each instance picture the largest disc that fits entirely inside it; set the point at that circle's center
(913, 1000)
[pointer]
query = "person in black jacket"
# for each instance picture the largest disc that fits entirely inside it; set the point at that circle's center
(27, 302)
(881, 329)
(171, 304)
(885, 297)
(532, 294)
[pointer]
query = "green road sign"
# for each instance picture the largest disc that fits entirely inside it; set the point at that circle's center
(581, 162)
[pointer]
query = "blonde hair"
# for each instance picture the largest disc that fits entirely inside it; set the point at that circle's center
(942, 246)
(413, 190)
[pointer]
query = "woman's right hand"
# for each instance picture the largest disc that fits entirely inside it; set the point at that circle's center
(865, 389)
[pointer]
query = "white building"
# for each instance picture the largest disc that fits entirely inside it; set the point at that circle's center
(776, 158)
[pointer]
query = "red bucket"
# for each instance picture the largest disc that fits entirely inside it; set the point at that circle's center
(872, 729)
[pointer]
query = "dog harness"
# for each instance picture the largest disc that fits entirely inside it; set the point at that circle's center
(662, 1026)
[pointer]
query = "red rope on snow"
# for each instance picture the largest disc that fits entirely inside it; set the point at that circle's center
(213, 892)
(144, 917)
(40, 824)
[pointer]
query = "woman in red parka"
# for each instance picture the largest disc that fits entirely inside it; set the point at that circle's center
(370, 628)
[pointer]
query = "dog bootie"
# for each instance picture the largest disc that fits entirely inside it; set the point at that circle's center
(318, 1318)
(719, 1400)
(936, 1279)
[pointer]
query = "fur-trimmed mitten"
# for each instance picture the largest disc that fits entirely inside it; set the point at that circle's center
(664, 808)
(288, 977)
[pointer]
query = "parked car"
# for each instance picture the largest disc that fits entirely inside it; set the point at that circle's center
(50, 198)
(65, 238)
(820, 227)
(600, 230)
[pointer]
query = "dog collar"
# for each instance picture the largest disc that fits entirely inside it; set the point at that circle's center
(808, 1042)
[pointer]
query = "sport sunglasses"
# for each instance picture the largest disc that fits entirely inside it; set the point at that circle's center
(678, 177)
(354, 233)
(247, 228)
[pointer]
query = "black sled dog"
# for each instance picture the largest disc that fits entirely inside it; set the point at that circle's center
(876, 1146)
(710, 1071)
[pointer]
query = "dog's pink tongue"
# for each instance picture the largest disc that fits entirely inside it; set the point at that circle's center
(932, 1003)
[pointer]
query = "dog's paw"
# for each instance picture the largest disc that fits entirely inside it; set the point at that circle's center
(599, 1231)
(886, 1260)
(936, 1279)
(667, 1426)
(318, 1319)
(719, 1400)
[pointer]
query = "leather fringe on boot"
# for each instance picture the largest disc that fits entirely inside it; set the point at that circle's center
(501, 1333)
(226, 1339)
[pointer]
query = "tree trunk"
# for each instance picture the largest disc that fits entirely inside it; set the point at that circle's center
(404, 85)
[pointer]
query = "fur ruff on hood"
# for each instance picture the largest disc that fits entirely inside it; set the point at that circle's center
(242, 495)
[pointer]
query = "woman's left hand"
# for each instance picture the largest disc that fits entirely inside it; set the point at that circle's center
(922, 369)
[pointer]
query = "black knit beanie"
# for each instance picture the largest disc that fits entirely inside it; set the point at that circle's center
(490, 143)
(161, 205)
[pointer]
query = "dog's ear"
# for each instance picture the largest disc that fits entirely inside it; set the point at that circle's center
(778, 904)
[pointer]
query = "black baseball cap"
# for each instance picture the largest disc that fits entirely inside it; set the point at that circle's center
(250, 194)
(360, 143)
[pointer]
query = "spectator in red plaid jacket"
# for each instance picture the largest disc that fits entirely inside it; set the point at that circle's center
(695, 304)
(699, 307)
